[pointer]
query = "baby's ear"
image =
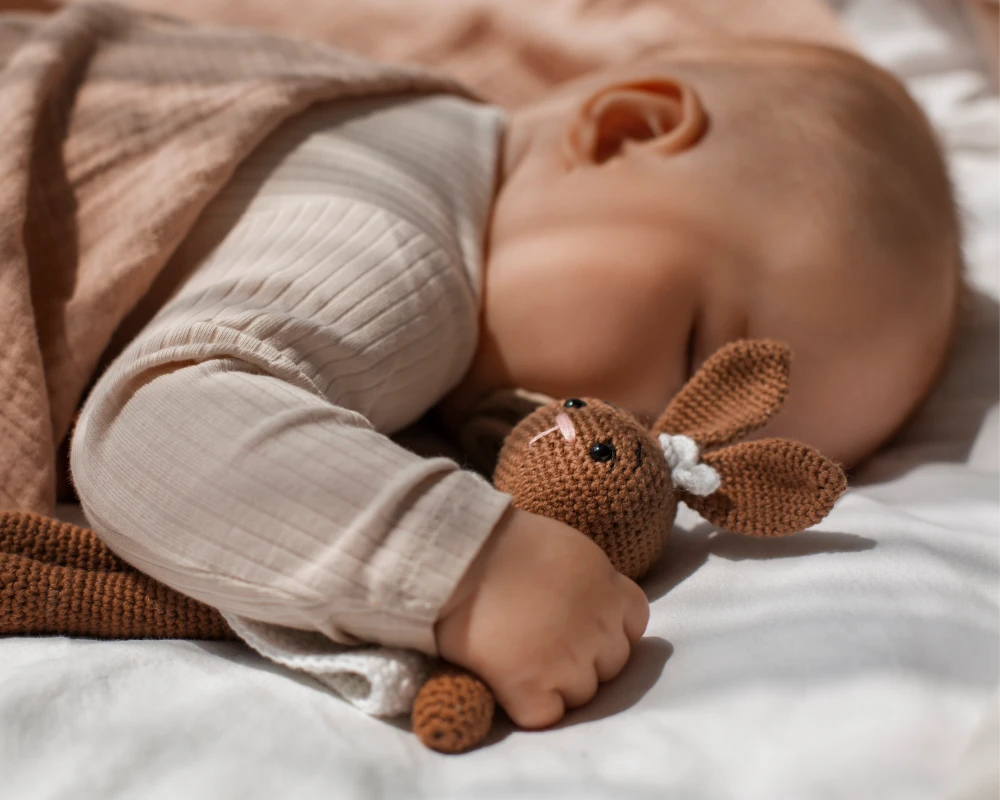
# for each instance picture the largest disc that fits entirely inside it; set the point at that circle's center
(771, 487)
(735, 392)
(660, 115)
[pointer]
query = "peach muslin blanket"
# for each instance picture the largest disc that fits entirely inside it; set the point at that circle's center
(510, 51)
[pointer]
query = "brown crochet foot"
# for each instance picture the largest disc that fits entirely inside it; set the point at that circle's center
(453, 711)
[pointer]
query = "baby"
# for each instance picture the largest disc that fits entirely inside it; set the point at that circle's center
(375, 259)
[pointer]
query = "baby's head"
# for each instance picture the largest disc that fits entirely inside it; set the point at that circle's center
(651, 214)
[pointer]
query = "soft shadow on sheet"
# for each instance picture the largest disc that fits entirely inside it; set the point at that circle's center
(687, 551)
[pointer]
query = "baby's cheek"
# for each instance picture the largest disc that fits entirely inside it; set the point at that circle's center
(598, 326)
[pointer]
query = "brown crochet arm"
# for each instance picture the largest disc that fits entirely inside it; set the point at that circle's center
(453, 711)
(58, 579)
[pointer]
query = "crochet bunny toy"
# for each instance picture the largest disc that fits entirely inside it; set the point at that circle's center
(598, 469)
(581, 461)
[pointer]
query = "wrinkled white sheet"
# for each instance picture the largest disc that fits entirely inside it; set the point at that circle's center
(859, 661)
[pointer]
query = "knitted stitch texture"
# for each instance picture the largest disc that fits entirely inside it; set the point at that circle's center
(455, 711)
(745, 501)
(626, 503)
(736, 391)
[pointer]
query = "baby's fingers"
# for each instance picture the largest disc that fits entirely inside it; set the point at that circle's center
(579, 688)
(532, 709)
(613, 658)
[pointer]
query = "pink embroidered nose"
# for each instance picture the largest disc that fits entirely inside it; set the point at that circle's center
(563, 424)
(566, 427)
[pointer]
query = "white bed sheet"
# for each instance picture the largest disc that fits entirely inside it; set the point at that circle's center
(859, 661)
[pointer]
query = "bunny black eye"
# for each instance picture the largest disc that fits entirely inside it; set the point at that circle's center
(638, 455)
(602, 451)
(574, 403)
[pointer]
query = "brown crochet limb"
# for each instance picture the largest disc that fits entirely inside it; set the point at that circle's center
(60, 579)
(39, 599)
(453, 711)
(55, 542)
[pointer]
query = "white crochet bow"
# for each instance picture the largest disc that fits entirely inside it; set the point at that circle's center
(681, 453)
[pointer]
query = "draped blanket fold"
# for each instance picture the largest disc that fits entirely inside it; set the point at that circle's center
(117, 127)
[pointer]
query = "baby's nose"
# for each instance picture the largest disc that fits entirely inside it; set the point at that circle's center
(566, 427)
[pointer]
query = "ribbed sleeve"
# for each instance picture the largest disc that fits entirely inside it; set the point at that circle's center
(237, 449)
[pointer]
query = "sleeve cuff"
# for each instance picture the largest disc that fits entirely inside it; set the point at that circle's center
(445, 527)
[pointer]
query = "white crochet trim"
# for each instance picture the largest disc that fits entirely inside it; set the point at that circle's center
(381, 681)
(681, 453)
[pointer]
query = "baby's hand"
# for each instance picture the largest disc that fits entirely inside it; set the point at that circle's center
(542, 617)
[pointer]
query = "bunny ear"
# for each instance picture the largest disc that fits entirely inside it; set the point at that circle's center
(735, 392)
(770, 487)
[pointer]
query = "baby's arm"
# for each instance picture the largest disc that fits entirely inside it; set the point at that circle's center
(263, 499)
(235, 449)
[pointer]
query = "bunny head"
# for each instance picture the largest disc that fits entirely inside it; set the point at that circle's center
(600, 470)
